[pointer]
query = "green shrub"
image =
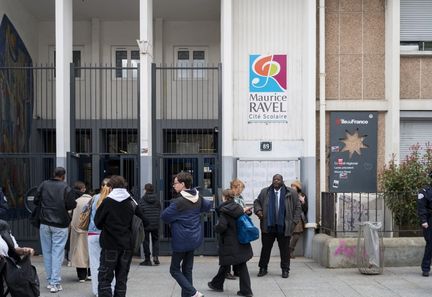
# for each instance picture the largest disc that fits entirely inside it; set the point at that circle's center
(401, 182)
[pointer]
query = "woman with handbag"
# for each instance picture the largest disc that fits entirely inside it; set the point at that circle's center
(78, 251)
(94, 234)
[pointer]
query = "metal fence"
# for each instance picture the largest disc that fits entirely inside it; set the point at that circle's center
(342, 213)
(186, 123)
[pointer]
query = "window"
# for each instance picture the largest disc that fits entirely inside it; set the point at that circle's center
(416, 25)
(190, 141)
(123, 141)
(190, 57)
(76, 59)
(126, 57)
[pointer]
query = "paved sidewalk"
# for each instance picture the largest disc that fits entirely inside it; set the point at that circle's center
(307, 278)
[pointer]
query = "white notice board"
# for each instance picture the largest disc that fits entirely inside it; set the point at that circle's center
(258, 174)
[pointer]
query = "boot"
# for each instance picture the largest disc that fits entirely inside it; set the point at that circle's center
(146, 262)
(156, 260)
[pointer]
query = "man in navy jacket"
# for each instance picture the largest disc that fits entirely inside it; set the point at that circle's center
(184, 215)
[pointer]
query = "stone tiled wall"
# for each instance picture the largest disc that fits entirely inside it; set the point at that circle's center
(355, 49)
(416, 77)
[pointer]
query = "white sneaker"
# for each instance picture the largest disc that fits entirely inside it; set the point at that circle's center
(49, 286)
(56, 288)
(198, 294)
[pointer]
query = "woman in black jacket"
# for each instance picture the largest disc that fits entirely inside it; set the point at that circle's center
(231, 251)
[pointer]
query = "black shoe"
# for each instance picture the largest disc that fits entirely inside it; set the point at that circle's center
(156, 260)
(285, 273)
(210, 285)
(146, 262)
(240, 293)
(261, 272)
(230, 276)
(425, 273)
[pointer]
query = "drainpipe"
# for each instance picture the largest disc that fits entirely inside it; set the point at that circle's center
(322, 99)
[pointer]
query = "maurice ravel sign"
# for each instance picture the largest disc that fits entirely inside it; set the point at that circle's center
(353, 152)
(268, 99)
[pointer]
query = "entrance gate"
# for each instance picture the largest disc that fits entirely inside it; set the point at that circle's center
(186, 104)
(104, 126)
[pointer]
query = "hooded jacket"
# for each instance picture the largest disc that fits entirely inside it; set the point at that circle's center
(114, 218)
(151, 209)
(231, 251)
(184, 215)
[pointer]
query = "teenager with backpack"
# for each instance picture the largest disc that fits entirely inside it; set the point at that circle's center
(114, 217)
(231, 251)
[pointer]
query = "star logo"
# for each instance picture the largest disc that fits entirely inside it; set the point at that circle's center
(353, 143)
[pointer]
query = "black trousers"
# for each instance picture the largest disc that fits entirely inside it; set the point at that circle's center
(427, 234)
(82, 273)
(267, 240)
(113, 262)
(155, 243)
(245, 284)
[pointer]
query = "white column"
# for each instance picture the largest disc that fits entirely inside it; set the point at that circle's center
(322, 97)
(63, 35)
(97, 107)
(146, 35)
(308, 176)
(95, 41)
(158, 41)
(392, 79)
(227, 91)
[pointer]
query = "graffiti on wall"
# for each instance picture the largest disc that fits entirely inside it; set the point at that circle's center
(16, 100)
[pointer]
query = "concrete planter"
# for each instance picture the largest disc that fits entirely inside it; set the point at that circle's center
(333, 252)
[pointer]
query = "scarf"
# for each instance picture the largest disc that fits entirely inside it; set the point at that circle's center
(273, 225)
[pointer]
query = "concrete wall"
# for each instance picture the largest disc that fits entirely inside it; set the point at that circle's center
(355, 49)
(24, 23)
(416, 77)
(333, 252)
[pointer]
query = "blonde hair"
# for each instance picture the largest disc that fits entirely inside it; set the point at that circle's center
(237, 184)
(104, 191)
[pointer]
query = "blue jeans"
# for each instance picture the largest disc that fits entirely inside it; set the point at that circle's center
(53, 242)
(183, 276)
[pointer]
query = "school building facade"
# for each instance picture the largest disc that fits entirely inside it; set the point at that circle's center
(222, 89)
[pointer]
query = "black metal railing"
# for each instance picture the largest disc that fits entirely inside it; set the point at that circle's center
(342, 214)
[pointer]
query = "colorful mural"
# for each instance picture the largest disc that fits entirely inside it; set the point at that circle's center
(16, 100)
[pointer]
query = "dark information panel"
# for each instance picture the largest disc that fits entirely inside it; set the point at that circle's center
(353, 151)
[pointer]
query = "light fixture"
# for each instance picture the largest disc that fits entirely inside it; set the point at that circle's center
(145, 47)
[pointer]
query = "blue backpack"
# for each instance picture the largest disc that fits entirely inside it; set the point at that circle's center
(246, 231)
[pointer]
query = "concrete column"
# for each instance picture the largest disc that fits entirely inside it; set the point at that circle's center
(95, 60)
(227, 92)
(146, 35)
(63, 36)
(158, 42)
(308, 162)
(95, 41)
(392, 79)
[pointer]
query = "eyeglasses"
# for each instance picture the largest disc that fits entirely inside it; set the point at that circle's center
(176, 183)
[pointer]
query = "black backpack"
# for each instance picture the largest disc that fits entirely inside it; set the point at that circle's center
(19, 274)
(21, 277)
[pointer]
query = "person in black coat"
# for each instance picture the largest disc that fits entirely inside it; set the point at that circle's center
(231, 251)
(151, 208)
